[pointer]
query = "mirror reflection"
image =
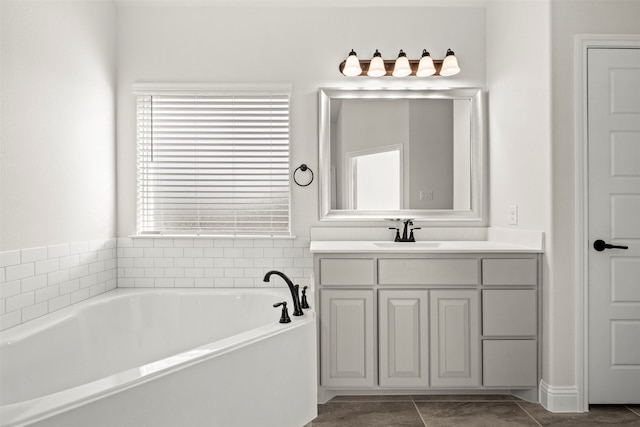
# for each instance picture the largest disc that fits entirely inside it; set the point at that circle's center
(395, 154)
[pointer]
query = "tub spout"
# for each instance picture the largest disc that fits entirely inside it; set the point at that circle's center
(297, 310)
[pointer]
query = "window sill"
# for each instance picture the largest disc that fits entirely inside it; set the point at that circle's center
(208, 236)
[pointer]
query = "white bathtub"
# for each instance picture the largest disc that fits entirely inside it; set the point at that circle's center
(162, 358)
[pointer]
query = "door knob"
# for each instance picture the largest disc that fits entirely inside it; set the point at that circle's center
(600, 245)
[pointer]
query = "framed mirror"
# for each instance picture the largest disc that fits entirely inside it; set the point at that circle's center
(403, 153)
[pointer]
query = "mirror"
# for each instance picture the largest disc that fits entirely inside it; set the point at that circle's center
(393, 153)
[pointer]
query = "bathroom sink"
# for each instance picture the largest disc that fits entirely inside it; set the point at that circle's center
(407, 245)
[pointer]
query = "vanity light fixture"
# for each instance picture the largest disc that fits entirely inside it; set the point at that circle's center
(401, 66)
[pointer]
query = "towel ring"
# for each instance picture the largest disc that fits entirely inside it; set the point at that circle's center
(302, 168)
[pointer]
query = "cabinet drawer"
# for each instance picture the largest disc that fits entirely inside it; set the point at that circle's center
(428, 271)
(509, 271)
(509, 312)
(351, 271)
(509, 363)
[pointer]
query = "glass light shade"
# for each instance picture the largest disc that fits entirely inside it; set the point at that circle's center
(376, 67)
(352, 66)
(450, 65)
(425, 67)
(401, 67)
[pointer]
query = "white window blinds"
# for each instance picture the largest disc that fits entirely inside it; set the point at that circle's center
(213, 164)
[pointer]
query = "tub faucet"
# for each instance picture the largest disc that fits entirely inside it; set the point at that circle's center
(297, 309)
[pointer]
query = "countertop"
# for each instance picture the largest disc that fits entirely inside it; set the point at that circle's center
(448, 246)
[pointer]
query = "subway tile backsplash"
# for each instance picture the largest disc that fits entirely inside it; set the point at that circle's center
(203, 262)
(37, 281)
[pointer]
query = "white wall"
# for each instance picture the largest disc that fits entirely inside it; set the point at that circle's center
(58, 122)
(300, 45)
(57, 155)
(518, 79)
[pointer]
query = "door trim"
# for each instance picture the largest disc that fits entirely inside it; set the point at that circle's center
(582, 43)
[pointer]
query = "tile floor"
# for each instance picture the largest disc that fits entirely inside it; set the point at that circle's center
(461, 410)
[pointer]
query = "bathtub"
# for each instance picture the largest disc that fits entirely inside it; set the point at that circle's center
(162, 358)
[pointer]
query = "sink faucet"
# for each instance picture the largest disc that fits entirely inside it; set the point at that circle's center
(297, 309)
(407, 235)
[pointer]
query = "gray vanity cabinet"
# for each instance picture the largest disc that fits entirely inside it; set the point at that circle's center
(427, 321)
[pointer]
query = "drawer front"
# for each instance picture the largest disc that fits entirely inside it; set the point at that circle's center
(509, 363)
(510, 271)
(509, 312)
(348, 271)
(428, 271)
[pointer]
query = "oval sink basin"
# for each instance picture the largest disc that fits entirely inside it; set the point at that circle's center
(407, 245)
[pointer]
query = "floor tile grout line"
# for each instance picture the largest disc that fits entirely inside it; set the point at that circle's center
(527, 412)
(418, 411)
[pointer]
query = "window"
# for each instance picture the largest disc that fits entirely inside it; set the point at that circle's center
(213, 163)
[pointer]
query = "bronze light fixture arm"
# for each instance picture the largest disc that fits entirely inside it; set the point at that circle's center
(389, 64)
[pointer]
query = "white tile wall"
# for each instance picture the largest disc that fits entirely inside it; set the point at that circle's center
(211, 262)
(37, 281)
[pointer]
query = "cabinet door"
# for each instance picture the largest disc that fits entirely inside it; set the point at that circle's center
(404, 334)
(454, 338)
(346, 331)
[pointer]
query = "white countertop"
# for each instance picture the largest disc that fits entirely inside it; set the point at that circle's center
(448, 246)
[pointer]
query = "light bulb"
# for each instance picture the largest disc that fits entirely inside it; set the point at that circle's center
(425, 67)
(450, 65)
(402, 67)
(376, 67)
(352, 66)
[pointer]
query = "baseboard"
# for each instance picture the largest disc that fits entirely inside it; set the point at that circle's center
(559, 398)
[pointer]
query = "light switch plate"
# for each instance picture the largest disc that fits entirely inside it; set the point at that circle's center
(513, 214)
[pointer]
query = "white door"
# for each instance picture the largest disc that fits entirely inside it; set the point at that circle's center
(613, 86)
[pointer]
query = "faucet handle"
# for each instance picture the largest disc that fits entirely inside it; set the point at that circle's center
(397, 239)
(411, 238)
(304, 303)
(284, 317)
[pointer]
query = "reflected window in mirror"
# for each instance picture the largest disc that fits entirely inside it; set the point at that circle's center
(375, 179)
